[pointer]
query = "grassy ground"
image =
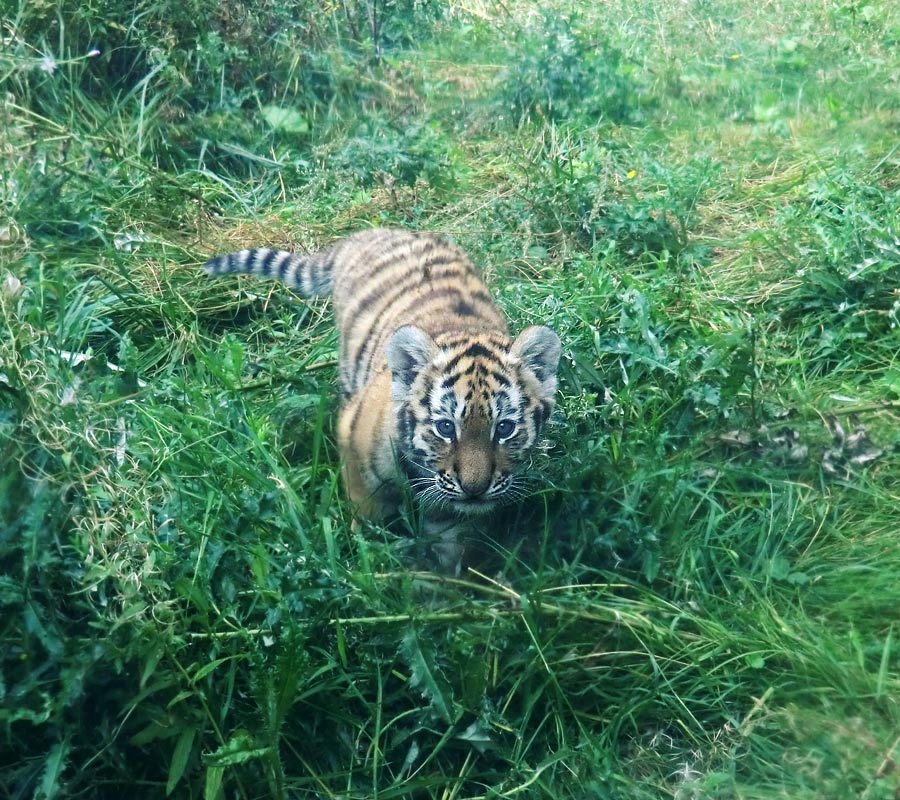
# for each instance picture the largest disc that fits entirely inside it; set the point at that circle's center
(700, 599)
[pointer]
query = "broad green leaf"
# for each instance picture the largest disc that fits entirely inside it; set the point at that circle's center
(286, 120)
(53, 769)
(426, 675)
(180, 757)
(213, 784)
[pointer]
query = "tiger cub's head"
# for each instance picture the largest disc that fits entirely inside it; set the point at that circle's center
(470, 408)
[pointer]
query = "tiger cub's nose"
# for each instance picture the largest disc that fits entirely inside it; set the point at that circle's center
(475, 482)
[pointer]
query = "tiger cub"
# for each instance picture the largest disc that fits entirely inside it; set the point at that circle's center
(439, 401)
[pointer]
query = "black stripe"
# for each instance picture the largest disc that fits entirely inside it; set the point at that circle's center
(406, 423)
(426, 392)
(474, 350)
(546, 408)
(266, 269)
(353, 420)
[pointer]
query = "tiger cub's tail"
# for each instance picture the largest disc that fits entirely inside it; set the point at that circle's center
(310, 275)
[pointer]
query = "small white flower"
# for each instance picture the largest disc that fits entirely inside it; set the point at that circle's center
(93, 54)
(48, 65)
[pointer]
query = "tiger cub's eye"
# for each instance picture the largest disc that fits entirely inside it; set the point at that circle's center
(504, 429)
(445, 428)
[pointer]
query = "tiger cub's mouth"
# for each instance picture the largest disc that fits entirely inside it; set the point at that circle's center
(429, 494)
(498, 495)
(472, 506)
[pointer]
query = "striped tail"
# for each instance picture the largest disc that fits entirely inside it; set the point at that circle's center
(310, 275)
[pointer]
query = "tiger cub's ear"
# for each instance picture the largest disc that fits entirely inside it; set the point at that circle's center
(538, 348)
(408, 351)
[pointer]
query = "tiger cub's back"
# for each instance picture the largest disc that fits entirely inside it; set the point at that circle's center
(387, 278)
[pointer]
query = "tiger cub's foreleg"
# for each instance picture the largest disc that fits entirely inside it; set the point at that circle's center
(364, 438)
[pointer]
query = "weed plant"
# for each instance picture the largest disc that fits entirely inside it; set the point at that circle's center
(699, 598)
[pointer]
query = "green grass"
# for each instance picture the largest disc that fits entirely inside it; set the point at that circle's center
(698, 601)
